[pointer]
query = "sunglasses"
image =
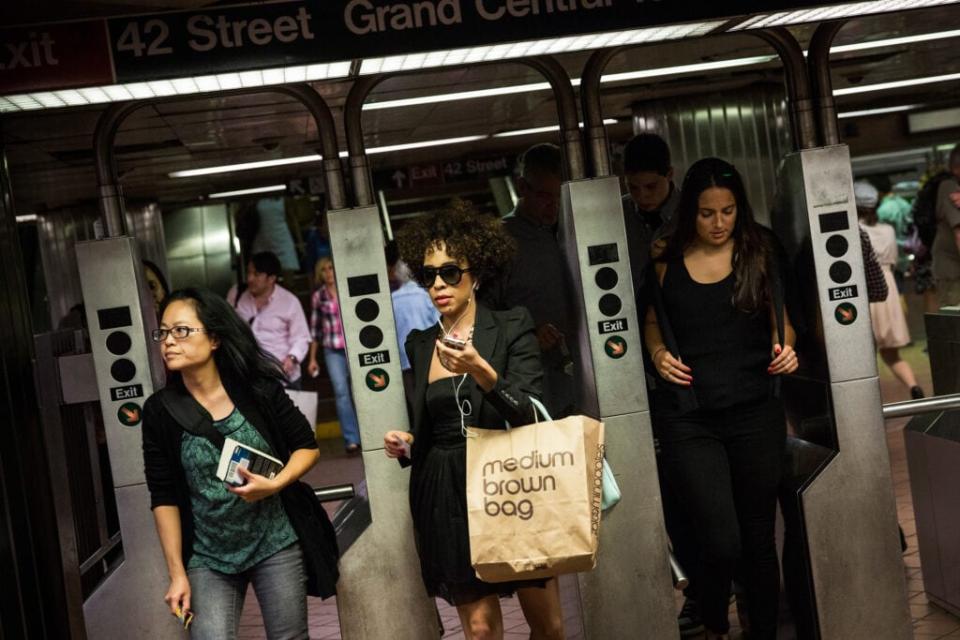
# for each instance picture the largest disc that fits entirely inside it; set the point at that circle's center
(449, 273)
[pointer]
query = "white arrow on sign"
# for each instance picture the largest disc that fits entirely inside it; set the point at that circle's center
(399, 177)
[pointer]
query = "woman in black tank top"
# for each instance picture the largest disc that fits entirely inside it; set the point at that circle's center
(718, 336)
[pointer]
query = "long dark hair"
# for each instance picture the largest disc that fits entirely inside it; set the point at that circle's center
(751, 249)
(239, 359)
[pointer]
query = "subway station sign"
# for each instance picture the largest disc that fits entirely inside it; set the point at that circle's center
(275, 34)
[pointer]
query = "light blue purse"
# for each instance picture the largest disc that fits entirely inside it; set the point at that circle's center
(610, 489)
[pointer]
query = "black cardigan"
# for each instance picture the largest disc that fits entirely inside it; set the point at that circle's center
(505, 339)
(271, 413)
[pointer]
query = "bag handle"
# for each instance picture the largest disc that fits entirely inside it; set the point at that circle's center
(538, 407)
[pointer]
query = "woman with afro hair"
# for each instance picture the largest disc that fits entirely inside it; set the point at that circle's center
(476, 368)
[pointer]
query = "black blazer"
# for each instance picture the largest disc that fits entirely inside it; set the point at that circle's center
(506, 340)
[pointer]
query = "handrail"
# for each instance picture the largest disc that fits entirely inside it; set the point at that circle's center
(923, 405)
(334, 492)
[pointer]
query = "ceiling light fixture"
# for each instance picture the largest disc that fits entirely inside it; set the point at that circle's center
(26, 217)
(528, 48)
(783, 18)
(897, 84)
(408, 146)
(877, 112)
(175, 86)
(894, 42)
(247, 192)
(535, 130)
(645, 73)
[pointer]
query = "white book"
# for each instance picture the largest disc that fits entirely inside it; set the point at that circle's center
(236, 454)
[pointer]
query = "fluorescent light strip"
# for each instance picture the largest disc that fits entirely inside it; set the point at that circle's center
(533, 48)
(27, 217)
(535, 130)
(245, 166)
(247, 192)
(883, 86)
(643, 73)
(893, 42)
(783, 18)
(877, 112)
(177, 86)
(423, 144)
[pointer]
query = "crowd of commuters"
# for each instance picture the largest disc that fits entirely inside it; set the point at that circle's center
(713, 290)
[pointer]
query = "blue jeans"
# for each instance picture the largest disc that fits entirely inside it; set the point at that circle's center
(336, 362)
(280, 583)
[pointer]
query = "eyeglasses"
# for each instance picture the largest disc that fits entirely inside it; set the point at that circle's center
(449, 273)
(178, 333)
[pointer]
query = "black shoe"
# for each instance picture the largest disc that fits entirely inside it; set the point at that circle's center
(689, 619)
(916, 392)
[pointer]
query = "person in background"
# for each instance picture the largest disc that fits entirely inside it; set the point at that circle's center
(536, 277)
(217, 538)
(650, 201)
(156, 283)
(894, 210)
(946, 243)
(648, 208)
(275, 316)
(317, 242)
(889, 324)
(327, 329)
(412, 309)
(719, 337)
(484, 384)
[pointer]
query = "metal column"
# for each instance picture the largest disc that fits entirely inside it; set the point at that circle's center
(848, 507)
(629, 594)
(380, 593)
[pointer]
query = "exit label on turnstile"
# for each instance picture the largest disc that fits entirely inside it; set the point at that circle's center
(845, 313)
(612, 326)
(129, 414)
(615, 347)
(377, 379)
(373, 357)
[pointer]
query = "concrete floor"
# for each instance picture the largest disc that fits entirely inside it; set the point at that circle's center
(929, 621)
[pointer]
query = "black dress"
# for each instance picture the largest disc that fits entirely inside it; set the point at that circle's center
(438, 502)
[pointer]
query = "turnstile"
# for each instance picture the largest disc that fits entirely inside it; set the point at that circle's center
(847, 506)
(120, 317)
(629, 594)
(380, 593)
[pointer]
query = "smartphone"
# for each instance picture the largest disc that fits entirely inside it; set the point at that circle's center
(454, 343)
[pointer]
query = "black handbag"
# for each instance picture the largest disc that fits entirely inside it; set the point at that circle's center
(318, 539)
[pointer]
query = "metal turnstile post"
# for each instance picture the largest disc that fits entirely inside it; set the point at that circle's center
(380, 593)
(629, 594)
(848, 508)
(120, 317)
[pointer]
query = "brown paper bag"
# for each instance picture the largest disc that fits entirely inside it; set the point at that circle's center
(533, 499)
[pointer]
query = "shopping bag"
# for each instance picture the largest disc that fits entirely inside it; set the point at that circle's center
(611, 489)
(533, 499)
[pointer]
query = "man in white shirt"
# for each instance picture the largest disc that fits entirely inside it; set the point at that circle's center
(275, 315)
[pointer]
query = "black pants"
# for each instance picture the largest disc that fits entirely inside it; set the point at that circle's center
(723, 467)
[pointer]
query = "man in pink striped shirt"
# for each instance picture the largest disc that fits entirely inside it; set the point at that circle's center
(275, 315)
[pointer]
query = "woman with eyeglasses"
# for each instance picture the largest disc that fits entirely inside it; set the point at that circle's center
(476, 368)
(218, 538)
(719, 337)
(327, 329)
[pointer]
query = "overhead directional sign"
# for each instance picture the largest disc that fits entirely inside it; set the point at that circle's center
(268, 35)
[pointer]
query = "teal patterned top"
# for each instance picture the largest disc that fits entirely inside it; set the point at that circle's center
(230, 535)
